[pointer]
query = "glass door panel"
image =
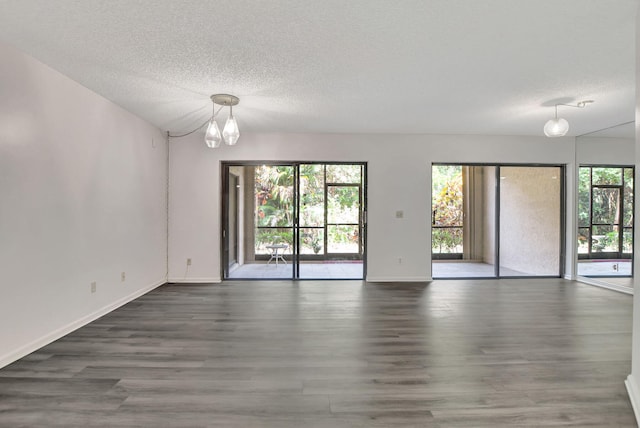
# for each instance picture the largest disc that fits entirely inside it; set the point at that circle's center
(312, 211)
(266, 226)
(311, 192)
(274, 219)
(606, 176)
(312, 241)
(606, 233)
(628, 197)
(344, 173)
(331, 244)
(605, 205)
(530, 221)
(627, 213)
(584, 210)
(463, 221)
(343, 239)
(343, 204)
(604, 239)
(343, 219)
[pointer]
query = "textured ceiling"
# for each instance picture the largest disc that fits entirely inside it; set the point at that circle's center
(358, 66)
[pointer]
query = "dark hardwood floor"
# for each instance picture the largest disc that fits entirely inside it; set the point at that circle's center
(337, 354)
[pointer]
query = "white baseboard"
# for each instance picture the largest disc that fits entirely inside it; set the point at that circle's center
(399, 279)
(194, 280)
(634, 397)
(25, 350)
(570, 277)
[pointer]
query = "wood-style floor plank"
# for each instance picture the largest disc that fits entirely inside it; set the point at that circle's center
(456, 353)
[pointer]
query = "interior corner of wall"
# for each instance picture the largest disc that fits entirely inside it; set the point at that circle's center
(61, 331)
(633, 391)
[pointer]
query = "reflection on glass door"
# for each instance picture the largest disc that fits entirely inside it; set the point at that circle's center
(605, 221)
(294, 221)
(530, 227)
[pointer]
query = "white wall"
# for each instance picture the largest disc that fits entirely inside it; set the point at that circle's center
(633, 387)
(605, 151)
(83, 199)
(399, 178)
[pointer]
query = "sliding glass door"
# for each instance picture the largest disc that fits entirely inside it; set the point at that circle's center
(493, 221)
(296, 220)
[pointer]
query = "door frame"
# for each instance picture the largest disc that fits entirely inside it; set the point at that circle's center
(224, 214)
(562, 256)
(234, 183)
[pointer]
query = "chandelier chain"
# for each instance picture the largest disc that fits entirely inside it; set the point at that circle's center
(215, 113)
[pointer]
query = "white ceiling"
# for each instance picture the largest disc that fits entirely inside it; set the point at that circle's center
(358, 66)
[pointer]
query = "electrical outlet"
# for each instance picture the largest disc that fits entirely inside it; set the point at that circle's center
(94, 286)
(123, 276)
(188, 262)
(399, 260)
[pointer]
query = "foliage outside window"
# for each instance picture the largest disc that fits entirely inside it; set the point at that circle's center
(343, 219)
(347, 174)
(274, 202)
(605, 210)
(447, 206)
(273, 207)
(312, 209)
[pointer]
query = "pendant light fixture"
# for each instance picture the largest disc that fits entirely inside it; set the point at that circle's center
(213, 137)
(558, 127)
(230, 132)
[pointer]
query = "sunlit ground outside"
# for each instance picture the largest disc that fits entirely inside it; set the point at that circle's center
(323, 270)
(458, 269)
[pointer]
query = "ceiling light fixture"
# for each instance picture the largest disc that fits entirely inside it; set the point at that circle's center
(558, 127)
(230, 132)
(213, 137)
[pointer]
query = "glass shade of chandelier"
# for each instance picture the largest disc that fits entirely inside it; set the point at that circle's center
(230, 133)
